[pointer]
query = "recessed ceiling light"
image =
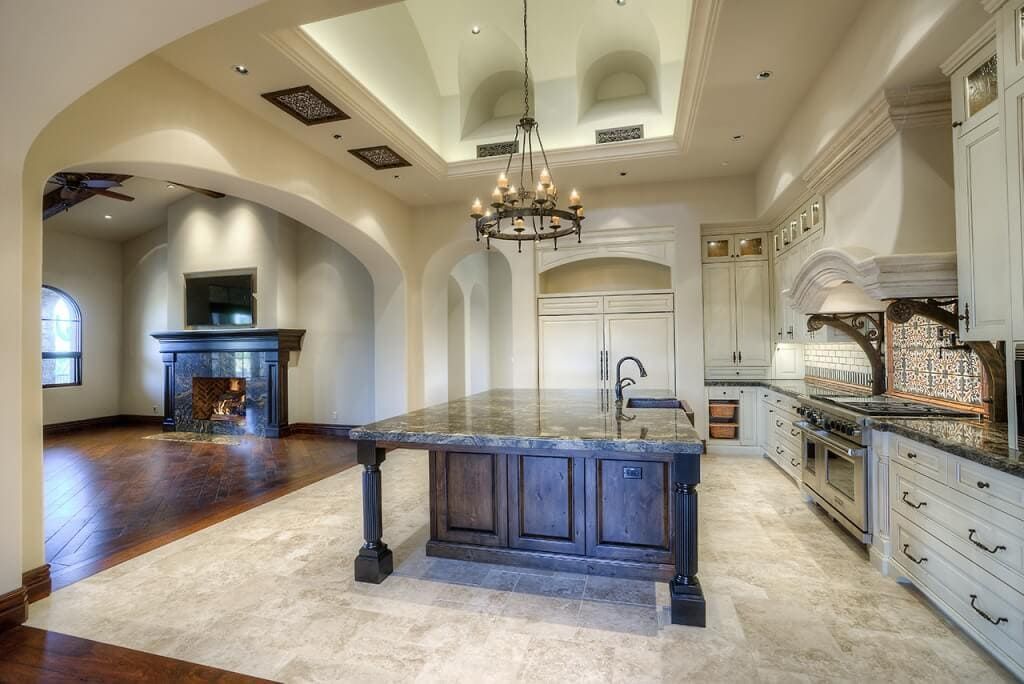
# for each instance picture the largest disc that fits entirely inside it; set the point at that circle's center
(107, 216)
(763, 75)
(171, 186)
(337, 136)
(397, 176)
(725, 163)
(620, 3)
(241, 69)
(737, 137)
(475, 30)
(623, 173)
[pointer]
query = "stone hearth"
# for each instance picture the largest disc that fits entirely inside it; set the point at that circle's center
(243, 372)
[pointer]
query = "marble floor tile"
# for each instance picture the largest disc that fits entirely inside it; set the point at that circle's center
(270, 593)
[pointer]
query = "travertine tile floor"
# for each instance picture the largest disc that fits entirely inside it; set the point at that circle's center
(270, 593)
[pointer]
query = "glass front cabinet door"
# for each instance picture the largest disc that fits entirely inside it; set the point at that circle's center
(742, 246)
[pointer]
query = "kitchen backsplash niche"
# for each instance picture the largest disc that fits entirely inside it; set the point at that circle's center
(919, 364)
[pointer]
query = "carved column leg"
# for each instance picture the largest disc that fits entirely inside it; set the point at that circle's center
(688, 606)
(374, 561)
(169, 359)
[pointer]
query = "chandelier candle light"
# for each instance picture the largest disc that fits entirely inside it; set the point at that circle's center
(536, 198)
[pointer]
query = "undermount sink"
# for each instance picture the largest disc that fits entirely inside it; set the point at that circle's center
(654, 402)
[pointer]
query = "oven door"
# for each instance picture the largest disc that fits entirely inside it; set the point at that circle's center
(835, 471)
(812, 469)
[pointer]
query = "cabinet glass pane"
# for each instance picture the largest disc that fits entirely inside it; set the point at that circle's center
(751, 247)
(717, 248)
(815, 213)
(982, 87)
(805, 221)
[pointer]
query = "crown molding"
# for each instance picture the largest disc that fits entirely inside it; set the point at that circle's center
(991, 6)
(896, 276)
(978, 40)
(888, 112)
(703, 25)
(300, 48)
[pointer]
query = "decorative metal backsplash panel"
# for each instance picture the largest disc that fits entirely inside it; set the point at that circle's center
(920, 365)
(306, 105)
(497, 149)
(380, 157)
(619, 134)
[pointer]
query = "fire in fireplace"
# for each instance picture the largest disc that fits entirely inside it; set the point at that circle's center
(218, 399)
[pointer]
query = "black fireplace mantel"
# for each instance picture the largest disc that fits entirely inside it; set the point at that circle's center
(273, 343)
(231, 339)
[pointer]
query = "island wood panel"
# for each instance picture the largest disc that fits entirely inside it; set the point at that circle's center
(546, 503)
(628, 517)
(470, 497)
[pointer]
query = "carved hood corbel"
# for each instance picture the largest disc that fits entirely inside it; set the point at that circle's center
(868, 331)
(992, 360)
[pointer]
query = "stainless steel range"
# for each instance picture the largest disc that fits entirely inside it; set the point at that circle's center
(835, 472)
(836, 450)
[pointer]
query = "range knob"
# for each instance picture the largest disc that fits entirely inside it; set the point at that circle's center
(801, 410)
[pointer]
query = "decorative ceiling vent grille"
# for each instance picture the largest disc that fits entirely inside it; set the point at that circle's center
(306, 105)
(380, 157)
(497, 149)
(619, 134)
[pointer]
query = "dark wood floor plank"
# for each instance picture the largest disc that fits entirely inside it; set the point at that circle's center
(35, 655)
(111, 495)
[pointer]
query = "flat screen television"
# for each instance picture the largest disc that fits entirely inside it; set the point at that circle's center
(220, 301)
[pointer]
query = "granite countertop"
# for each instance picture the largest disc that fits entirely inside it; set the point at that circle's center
(980, 441)
(541, 419)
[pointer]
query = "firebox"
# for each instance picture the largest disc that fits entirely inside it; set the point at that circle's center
(218, 399)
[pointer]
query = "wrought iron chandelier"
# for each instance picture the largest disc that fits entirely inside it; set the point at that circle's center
(528, 212)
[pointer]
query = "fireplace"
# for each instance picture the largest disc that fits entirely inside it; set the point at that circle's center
(232, 381)
(218, 399)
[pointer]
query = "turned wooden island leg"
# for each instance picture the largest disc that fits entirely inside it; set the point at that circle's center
(374, 561)
(688, 606)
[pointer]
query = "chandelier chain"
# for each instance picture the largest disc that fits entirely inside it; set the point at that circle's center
(526, 66)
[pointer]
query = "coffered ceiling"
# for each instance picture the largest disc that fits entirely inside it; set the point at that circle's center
(419, 81)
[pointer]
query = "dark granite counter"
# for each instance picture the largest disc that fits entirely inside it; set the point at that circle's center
(541, 419)
(979, 441)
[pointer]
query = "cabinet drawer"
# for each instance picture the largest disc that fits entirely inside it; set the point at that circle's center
(557, 306)
(955, 581)
(723, 392)
(1005, 492)
(787, 458)
(990, 538)
(732, 372)
(920, 458)
(640, 303)
(787, 434)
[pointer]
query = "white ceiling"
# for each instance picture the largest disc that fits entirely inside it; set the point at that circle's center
(127, 219)
(792, 38)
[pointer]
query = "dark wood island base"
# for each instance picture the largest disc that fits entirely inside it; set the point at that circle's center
(625, 510)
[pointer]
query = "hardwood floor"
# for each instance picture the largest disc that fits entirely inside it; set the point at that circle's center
(111, 495)
(34, 655)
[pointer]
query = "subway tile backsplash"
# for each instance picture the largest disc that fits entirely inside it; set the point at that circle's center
(838, 362)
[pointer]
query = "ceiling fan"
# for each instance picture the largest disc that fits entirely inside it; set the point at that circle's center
(74, 187)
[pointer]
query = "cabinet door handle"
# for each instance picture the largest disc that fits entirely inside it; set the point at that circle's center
(911, 503)
(734, 357)
(967, 317)
(778, 450)
(983, 485)
(958, 124)
(740, 355)
(778, 423)
(793, 462)
(970, 538)
(906, 552)
(979, 611)
(795, 433)
(911, 455)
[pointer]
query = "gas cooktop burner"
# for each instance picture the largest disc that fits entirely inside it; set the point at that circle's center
(897, 408)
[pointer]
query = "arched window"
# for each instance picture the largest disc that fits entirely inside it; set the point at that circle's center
(62, 339)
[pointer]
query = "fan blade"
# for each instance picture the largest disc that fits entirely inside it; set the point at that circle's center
(111, 194)
(202, 191)
(100, 183)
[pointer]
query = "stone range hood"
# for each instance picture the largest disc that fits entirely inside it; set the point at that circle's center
(258, 356)
(851, 279)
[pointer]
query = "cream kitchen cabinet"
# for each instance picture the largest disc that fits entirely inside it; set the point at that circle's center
(1013, 103)
(982, 219)
(743, 246)
(579, 351)
(737, 326)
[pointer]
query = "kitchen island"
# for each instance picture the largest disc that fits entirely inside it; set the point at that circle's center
(556, 479)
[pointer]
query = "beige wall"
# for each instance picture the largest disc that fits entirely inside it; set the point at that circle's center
(89, 270)
(596, 275)
(144, 267)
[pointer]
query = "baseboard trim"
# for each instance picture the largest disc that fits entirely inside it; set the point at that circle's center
(37, 583)
(326, 429)
(103, 421)
(13, 608)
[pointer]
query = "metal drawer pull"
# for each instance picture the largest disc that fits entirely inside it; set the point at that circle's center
(911, 454)
(906, 552)
(779, 450)
(795, 433)
(778, 423)
(979, 611)
(911, 503)
(983, 485)
(970, 538)
(795, 463)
